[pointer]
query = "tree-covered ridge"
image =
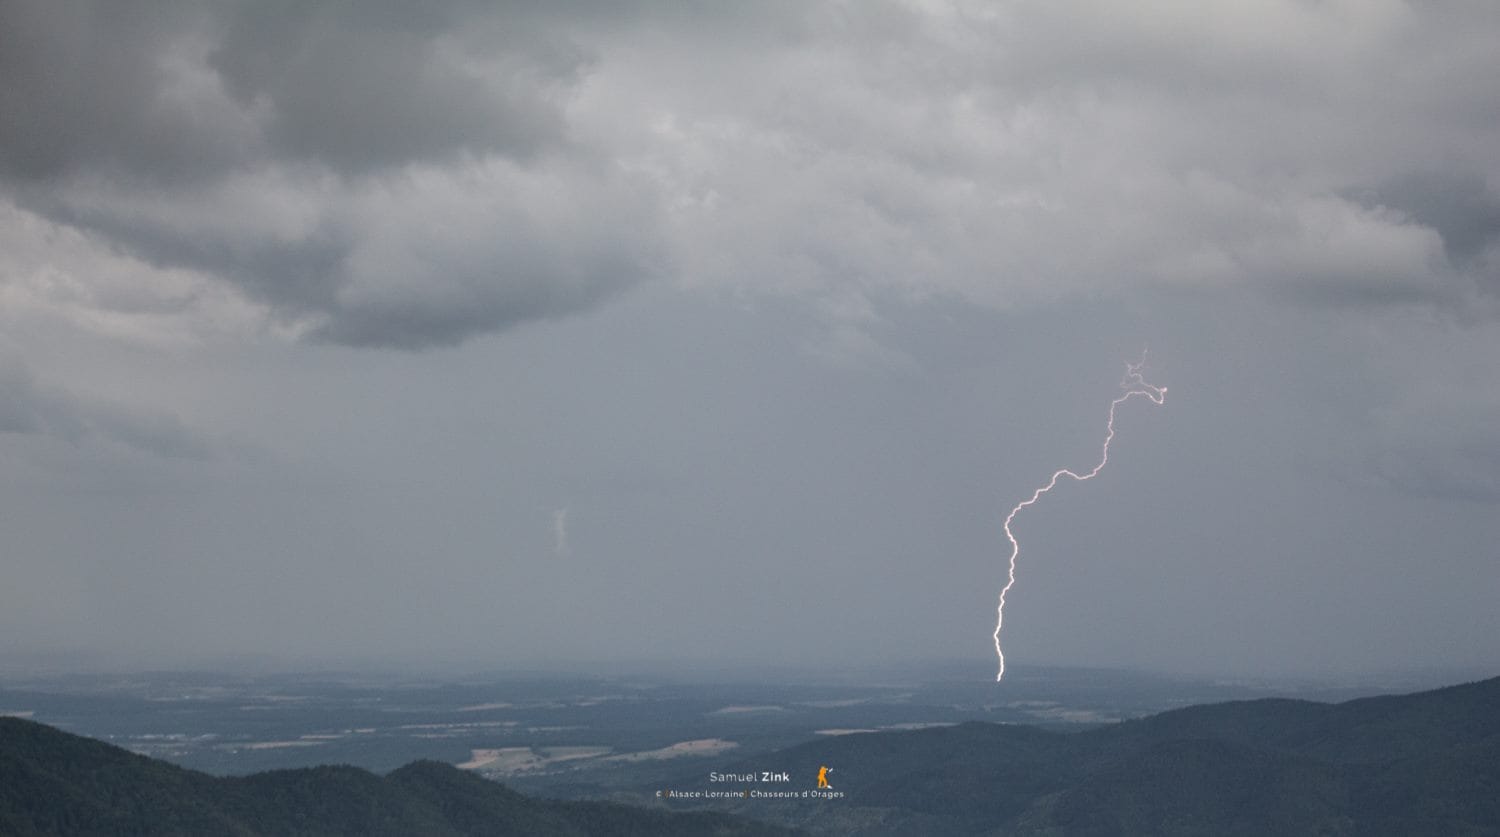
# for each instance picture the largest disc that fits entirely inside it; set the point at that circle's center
(1425, 763)
(52, 782)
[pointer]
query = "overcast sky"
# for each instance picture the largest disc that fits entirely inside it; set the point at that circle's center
(647, 331)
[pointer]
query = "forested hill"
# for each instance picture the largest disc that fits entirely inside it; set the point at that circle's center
(52, 782)
(1424, 763)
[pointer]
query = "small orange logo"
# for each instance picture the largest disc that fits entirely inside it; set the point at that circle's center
(823, 777)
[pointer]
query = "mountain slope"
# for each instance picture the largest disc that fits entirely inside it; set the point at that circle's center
(52, 782)
(1420, 763)
(1408, 764)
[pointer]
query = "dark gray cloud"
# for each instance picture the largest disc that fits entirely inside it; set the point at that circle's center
(1461, 206)
(266, 144)
(294, 275)
(110, 89)
(173, 91)
(30, 407)
(362, 87)
(1008, 157)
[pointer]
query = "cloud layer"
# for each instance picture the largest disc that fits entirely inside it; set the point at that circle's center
(390, 178)
(384, 176)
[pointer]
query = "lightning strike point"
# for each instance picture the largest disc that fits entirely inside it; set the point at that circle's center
(1133, 384)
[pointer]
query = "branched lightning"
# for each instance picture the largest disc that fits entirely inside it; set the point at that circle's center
(1134, 385)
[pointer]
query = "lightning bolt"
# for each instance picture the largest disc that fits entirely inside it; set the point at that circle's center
(1134, 385)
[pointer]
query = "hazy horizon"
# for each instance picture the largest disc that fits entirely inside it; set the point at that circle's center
(978, 670)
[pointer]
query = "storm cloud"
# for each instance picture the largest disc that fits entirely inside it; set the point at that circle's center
(390, 176)
(784, 299)
(379, 176)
